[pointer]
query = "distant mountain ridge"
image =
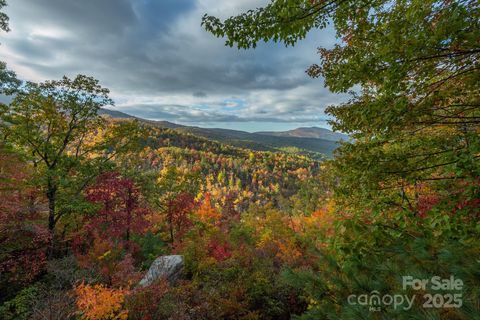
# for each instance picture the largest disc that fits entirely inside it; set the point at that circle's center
(115, 114)
(308, 132)
(314, 139)
(121, 115)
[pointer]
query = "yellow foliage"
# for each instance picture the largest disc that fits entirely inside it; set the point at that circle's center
(288, 250)
(265, 238)
(206, 212)
(100, 303)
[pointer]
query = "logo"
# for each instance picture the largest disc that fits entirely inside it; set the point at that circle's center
(446, 294)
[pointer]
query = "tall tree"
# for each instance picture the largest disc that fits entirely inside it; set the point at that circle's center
(56, 125)
(50, 122)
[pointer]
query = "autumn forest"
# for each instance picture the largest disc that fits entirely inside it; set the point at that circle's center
(108, 217)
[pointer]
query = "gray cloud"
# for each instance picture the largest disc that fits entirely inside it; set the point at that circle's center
(200, 94)
(160, 64)
(187, 114)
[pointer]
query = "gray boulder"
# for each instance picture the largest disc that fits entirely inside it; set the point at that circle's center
(169, 267)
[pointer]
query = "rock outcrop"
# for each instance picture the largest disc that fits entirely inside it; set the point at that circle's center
(169, 267)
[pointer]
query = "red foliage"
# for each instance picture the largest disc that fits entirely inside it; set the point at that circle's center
(177, 213)
(121, 213)
(23, 241)
(426, 203)
(144, 303)
(219, 250)
(469, 199)
(106, 235)
(469, 204)
(124, 274)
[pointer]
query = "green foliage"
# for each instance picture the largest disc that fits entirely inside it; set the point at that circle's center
(48, 123)
(8, 80)
(281, 20)
(20, 307)
(308, 197)
(48, 118)
(151, 247)
(3, 17)
(377, 262)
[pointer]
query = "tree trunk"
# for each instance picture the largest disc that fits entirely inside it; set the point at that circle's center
(170, 225)
(129, 207)
(51, 196)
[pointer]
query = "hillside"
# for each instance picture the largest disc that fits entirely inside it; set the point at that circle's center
(313, 140)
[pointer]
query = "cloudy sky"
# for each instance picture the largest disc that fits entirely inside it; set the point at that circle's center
(160, 64)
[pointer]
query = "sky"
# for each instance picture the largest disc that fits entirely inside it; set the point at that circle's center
(160, 64)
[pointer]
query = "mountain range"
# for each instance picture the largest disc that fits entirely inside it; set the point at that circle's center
(307, 132)
(301, 140)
